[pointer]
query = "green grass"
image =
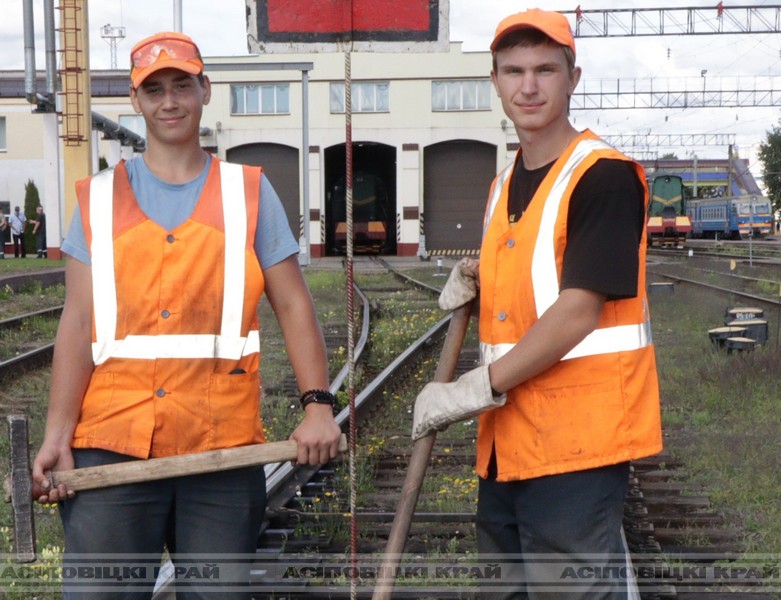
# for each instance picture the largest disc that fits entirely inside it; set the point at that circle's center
(11, 265)
(722, 413)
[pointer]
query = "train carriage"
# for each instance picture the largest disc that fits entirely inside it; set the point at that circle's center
(731, 217)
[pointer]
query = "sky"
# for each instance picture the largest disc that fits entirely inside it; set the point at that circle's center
(219, 29)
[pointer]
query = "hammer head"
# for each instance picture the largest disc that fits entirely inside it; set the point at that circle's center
(21, 490)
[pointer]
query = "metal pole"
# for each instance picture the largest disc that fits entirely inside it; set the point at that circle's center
(751, 231)
(178, 15)
(306, 258)
(29, 52)
(51, 50)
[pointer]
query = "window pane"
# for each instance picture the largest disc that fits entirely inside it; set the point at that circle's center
(2, 134)
(267, 99)
(253, 100)
(237, 100)
(484, 94)
(383, 97)
(366, 97)
(453, 95)
(469, 95)
(437, 95)
(283, 99)
(337, 97)
(134, 123)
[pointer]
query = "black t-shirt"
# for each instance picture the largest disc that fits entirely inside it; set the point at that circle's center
(604, 225)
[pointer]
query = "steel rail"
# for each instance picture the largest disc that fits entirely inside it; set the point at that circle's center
(752, 297)
(14, 322)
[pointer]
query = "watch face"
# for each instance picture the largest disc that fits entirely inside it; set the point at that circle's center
(321, 398)
(318, 397)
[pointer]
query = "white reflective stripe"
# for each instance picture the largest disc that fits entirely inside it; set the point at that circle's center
(545, 281)
(185, 346)
(489, 353)
(497, 193)
(229, 344)
(234, 214)
(104, 291)
(622, 338)
(632, 591)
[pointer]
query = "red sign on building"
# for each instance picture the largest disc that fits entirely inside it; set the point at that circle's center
(289, 25)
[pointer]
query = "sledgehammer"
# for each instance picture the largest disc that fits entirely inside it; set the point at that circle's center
(18, 486)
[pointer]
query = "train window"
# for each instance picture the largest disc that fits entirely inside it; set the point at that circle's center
(367, 97)
(257, 99)
(468, 94)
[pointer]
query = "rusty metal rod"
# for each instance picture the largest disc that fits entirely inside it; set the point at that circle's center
(421, 454)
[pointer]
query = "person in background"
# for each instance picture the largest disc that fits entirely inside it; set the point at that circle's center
(3, 229)
(39, 230)
(17, 221)
(157, 352)
(567, 389)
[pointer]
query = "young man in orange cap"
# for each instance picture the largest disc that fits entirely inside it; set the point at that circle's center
(157, 353)
(568, 387)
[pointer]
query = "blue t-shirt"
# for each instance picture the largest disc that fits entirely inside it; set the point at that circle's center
(171, 204)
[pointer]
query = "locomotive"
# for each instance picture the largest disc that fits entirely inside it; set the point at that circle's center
(730, 217)
(668, 220)
(370, 218)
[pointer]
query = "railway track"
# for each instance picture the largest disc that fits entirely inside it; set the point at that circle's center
(681, 547)
(679, 543)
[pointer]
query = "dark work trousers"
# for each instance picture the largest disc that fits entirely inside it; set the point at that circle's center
(19, 245)
(558, 537)
(114, 537)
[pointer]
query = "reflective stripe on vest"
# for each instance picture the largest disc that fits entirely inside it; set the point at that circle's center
(497, 193)
(229, 344)
(545, 281)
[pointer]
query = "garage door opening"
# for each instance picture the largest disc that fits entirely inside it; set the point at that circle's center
(374, 199)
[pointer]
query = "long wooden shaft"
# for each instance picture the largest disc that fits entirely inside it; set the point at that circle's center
(136, 471)
(421, 454)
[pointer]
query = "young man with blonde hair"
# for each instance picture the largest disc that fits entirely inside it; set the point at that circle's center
(567, 388)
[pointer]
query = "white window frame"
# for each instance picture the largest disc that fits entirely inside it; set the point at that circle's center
(454, 95)
(260, 98)
(367, 97)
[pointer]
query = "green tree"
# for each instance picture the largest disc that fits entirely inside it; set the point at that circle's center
(670, 155)
(32, 200)
(770, 157)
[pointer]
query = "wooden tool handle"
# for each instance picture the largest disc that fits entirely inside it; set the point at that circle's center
(421, 454)
(135, 471)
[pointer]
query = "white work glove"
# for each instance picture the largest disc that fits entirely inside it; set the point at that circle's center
(440, 404)
(461, 286)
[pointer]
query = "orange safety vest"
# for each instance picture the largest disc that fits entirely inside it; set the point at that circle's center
(600, 404)
(174, 313)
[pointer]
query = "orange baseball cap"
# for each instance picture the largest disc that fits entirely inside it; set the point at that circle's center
(166, 50)
(552, 24)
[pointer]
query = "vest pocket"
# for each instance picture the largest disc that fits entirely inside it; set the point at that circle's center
(234, 409)
(580, 423)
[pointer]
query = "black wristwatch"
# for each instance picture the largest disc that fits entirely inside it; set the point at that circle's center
(317, 397)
